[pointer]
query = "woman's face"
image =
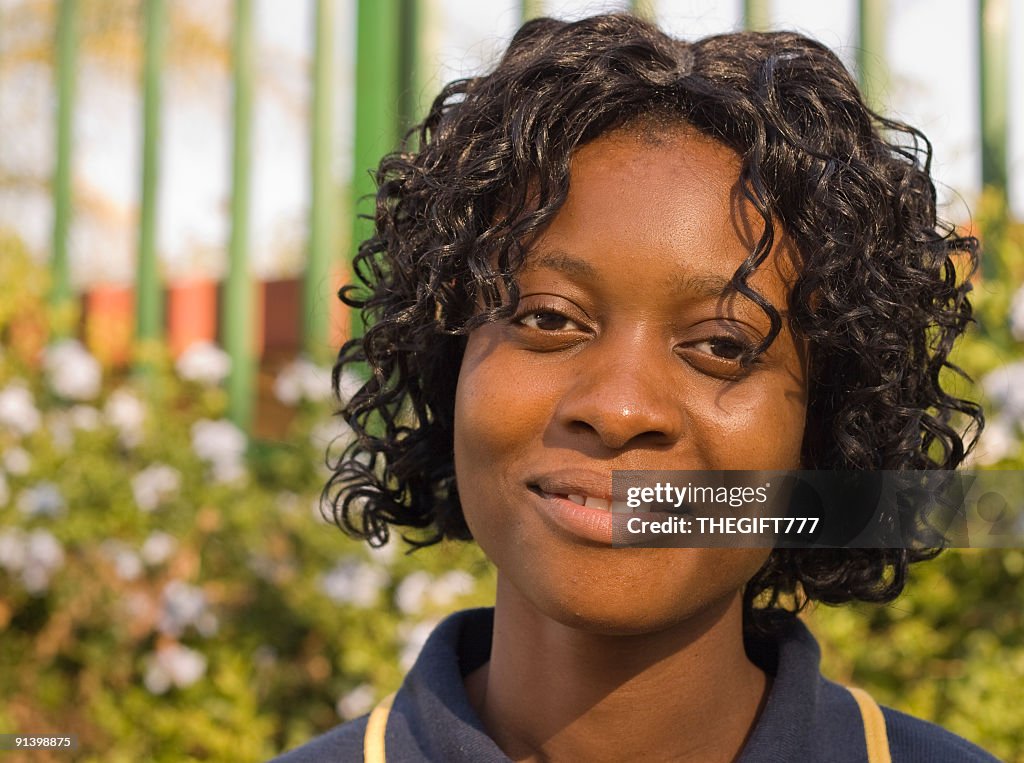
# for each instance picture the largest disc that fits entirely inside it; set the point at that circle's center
(624, 353)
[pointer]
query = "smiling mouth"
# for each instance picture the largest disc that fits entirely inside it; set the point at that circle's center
(587, 501)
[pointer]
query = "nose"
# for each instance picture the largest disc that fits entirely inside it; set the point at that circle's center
(624, 396)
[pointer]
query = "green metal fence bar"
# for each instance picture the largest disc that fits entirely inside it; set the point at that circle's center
(410, 68)
(757, 15)
(643, 8)
(149, 314)
(872, 70)
(237, 316)
(377, 88)
(317, 284)
(532, 9)
(994, 71)
(67, 29)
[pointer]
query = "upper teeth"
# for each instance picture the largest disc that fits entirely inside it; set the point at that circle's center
(590, 502)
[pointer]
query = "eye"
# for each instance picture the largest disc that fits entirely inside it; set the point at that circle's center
(548, 320)
(726, 356)
(722, 347)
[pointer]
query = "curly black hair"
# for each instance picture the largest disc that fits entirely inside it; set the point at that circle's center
(881, 297)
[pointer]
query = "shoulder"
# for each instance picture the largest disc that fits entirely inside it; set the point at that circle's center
(833, 726)
(840, 725)
(430, 717)
(912, 740)
(342, 743)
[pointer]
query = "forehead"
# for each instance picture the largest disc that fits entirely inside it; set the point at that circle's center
(674, 177)
(666, 201)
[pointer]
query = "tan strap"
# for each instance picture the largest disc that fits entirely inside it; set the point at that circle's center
(875, 738)
(373, 739)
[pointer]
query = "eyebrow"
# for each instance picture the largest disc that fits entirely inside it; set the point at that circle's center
(708, 285)
(704, 285)
(556, 259)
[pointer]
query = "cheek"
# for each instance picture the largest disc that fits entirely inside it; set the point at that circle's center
(501, 412)
(495, 407)
(757, 427)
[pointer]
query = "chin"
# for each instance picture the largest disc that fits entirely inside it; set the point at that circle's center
(629, 609)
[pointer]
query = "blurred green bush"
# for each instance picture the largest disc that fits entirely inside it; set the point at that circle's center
(169, 591)
(951, 649)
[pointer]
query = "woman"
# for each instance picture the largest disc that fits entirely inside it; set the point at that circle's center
(622, 251)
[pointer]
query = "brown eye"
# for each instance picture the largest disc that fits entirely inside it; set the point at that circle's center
(727, 348)
(545, 320)
(722, 347)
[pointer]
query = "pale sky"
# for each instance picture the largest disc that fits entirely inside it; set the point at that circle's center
(931, 51)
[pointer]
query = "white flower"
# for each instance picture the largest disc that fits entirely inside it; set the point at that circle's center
(127, 565)
(228, 471)
(205, 363)
(18, 410)
(12, 549)
(1017, 315)
(321, 510)
(348, 385)
(84, 417)
(302, 380)
(154, 485)
(419, 589)
(41, 500)
(44, 549)
(185, 605)
(332, 432)
(43, 555)
(35, 579)
(74, 374)
(222, 445)
(1005, 388)
(411, 594)
(333, 436)
(173, 665)
(414, 638)
(157, 548)
(17, 461)
(997, 441)
(385, 554)
(354, 582)
(207, 624)
(356, 702)
(157, 680)
(287, 386)
(450, 586)
(127, 415)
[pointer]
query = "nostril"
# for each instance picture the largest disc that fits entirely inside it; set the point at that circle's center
(619, 434)
(618, 407)
(582, 427)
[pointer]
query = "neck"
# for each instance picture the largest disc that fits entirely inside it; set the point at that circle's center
(551, 692)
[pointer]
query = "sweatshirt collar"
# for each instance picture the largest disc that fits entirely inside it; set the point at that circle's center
(433, 709)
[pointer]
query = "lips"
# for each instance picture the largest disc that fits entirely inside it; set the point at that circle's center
(589, 501)
(591, 490)
(583, 488)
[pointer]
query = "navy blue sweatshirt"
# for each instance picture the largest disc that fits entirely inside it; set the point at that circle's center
(806, 718)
